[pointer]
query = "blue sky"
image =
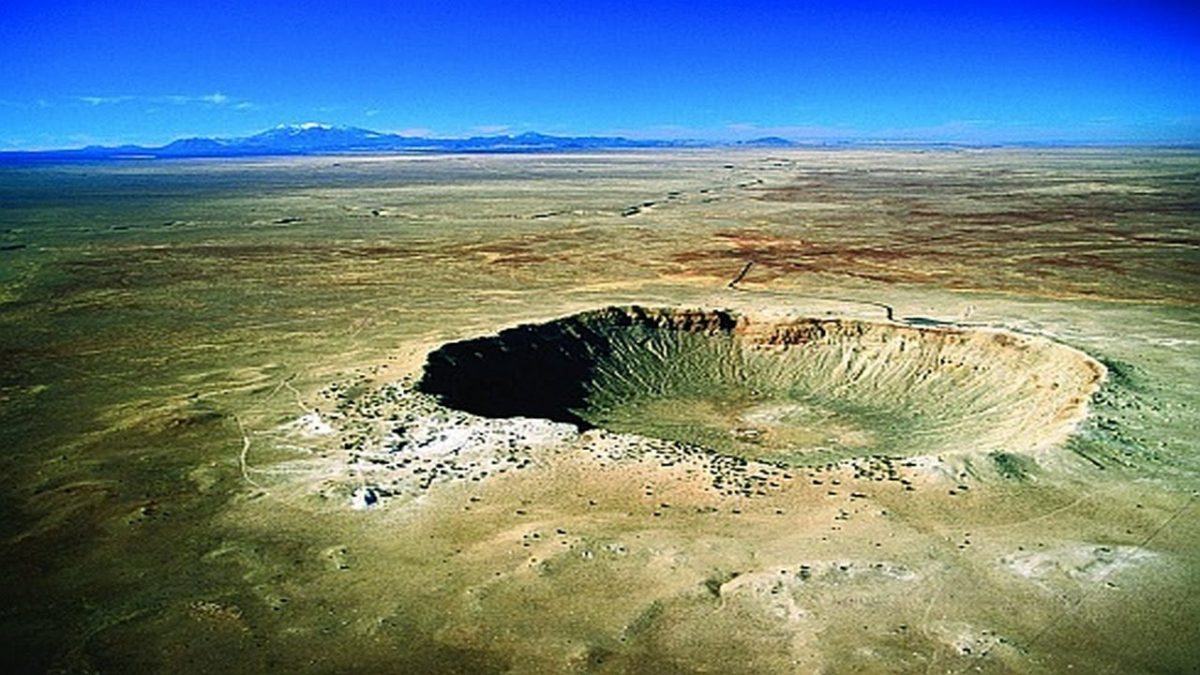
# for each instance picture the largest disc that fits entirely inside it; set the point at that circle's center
(75, 73)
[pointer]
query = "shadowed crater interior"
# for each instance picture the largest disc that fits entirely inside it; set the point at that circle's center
(796, 390)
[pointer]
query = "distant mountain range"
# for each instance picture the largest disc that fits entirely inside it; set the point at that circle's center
(316, 139)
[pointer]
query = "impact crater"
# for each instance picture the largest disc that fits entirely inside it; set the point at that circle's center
(796, 391)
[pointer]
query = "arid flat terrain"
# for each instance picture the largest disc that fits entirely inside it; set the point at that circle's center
(752, 411)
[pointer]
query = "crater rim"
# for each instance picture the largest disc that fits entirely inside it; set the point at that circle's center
(858, 387)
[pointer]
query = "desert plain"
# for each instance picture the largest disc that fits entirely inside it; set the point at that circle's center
(927, 410)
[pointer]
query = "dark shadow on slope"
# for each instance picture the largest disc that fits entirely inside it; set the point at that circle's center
(546, 370)
(528, 371)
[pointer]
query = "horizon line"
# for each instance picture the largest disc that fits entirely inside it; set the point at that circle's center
(699, 140)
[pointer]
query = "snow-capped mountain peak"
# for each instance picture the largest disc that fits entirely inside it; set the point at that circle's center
(303, 126)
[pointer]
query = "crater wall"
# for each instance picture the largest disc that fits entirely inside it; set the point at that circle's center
(796, 391)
